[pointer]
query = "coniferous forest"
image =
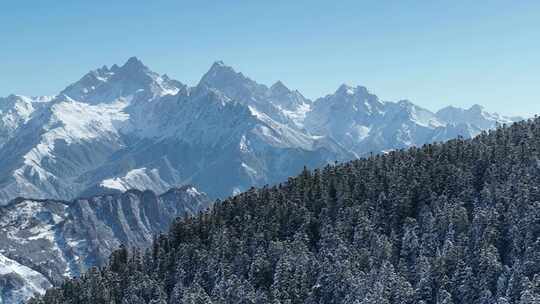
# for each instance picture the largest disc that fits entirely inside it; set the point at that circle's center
(457, 222)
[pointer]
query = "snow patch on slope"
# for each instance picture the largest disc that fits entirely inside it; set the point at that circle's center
(193, 192)
(24, 281)
(164, 87)
(74, 121)
(359, 132)
(278, 134)
(298, 115)
(140, 178)
(250, 171)
(425, 118)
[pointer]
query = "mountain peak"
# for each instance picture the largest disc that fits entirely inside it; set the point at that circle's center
(105, 85)
(279, 88)
(405, 103)
(219, 71)
(133, 60)
(476, 108)
(233, 84)
(134, 64)
(346, 89)
(218, 63)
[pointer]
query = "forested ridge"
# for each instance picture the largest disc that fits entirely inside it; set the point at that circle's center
(457, 222)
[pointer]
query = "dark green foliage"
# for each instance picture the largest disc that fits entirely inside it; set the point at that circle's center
(453, 223)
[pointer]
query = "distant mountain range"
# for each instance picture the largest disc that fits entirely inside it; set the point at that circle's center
(43, 242)
(125, 127)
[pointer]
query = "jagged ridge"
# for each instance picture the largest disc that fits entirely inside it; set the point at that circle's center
(45, 241)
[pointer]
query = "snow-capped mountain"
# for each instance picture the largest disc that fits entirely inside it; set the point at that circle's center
(475, 116)
(16, 110)
(277, 102)
(124, 127)
(45, 241)
(128, 127)
(362, 123)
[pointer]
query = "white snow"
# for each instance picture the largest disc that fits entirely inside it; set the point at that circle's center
(122, 183)
(258, 114)
(298, 115)
(248, 169)
(164, 88)
(34, 282)
(140, 178)
(243, 144)
(236, 191)
(193, 192)
(424, 118)
(277, 134)
(83, 121)
(113, 183)
(45, 232)
(16, 110)
(74, 121)
(361, 132)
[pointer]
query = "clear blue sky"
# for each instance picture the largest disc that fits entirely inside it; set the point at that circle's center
(459, 53)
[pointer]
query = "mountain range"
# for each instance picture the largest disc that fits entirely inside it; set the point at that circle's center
(127, 127)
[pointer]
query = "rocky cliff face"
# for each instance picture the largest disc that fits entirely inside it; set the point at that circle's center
(45, 241)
